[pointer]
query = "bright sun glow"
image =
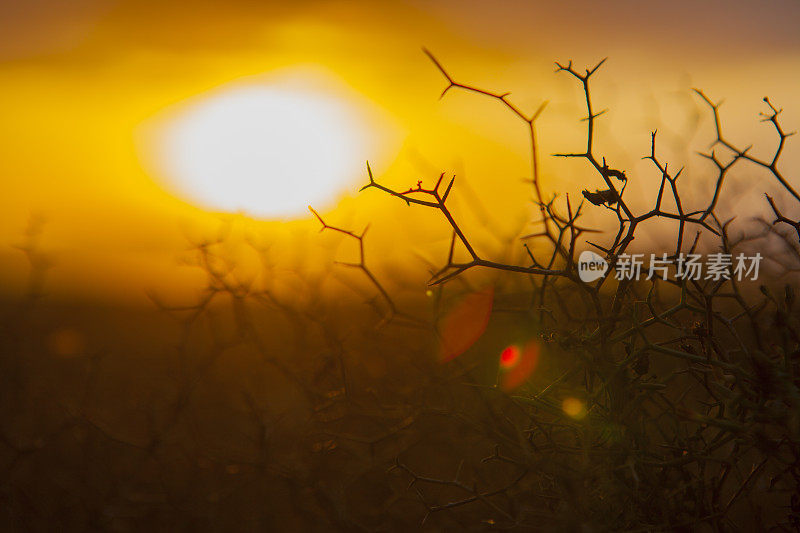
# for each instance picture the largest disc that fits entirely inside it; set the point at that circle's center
(267, 150)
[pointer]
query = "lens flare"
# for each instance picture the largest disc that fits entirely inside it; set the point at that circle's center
(509, 357)
(66, 342)
(574, 408)
(465, 323)
(517, 365)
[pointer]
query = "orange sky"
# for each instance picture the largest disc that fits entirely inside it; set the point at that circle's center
(78, 80)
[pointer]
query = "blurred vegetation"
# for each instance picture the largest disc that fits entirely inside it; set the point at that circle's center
(539, 402)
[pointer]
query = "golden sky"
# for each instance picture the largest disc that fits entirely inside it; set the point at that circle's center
(81, 80)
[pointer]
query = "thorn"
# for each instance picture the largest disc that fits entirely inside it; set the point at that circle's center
(539, 110)
(438, 182)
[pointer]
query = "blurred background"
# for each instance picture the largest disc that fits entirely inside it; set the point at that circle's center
(95, 96)
(182, 348)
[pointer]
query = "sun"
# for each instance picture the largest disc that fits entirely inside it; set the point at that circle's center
(265, 149)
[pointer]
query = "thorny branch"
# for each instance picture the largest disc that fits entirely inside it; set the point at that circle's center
(684, 394)
(703, 329)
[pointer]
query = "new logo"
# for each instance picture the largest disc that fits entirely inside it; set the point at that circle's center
(591, 266)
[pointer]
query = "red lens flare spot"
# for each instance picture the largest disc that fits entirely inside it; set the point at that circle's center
(509, 357)
(518, 365)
